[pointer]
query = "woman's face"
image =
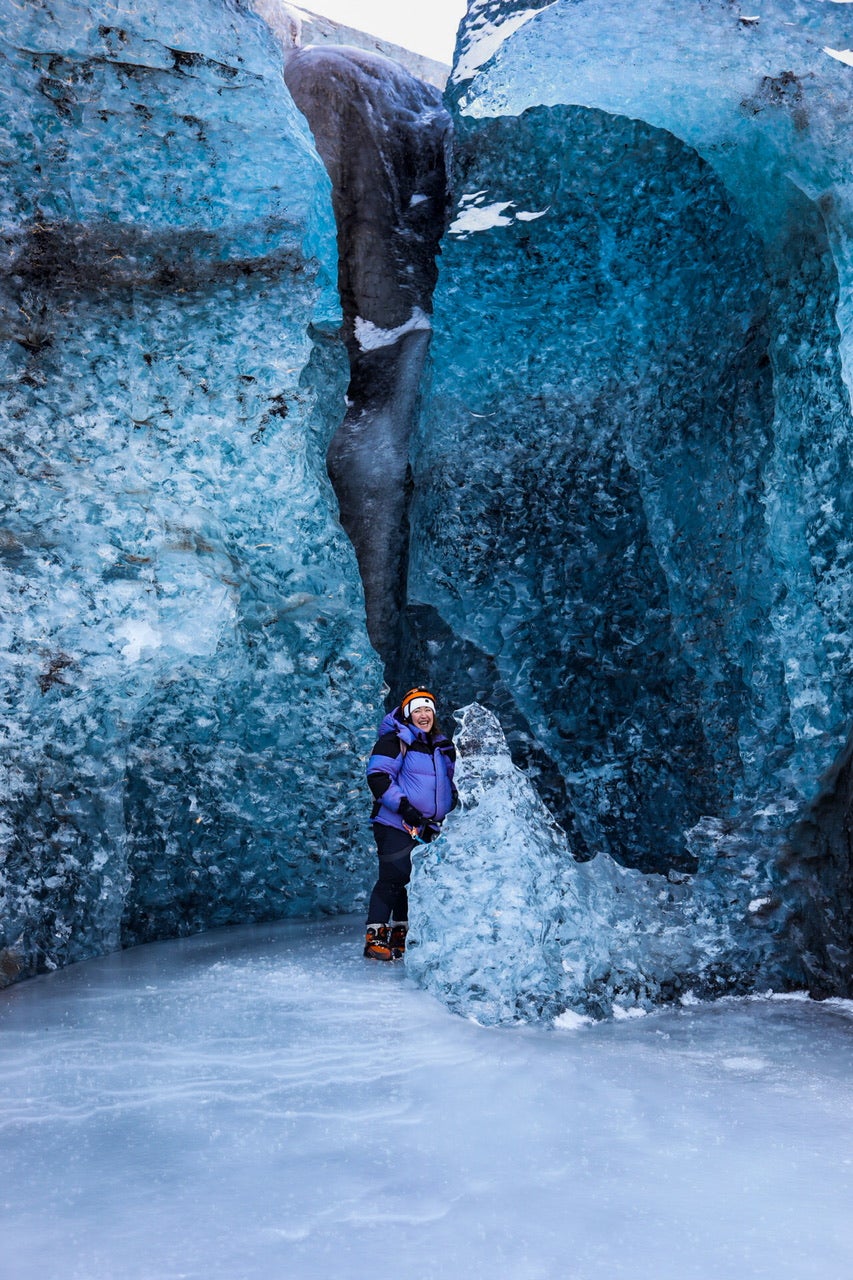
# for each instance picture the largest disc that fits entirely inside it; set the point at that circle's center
(423, 719)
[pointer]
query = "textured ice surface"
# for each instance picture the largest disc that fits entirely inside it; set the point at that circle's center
(263, 1102)
(507, 927)
(630, 534)
(632, 509)
(186, 679)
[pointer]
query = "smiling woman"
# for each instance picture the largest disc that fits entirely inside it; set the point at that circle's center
(410, 774)
(405, 25)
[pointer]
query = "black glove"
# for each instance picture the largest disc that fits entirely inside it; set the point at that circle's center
(410, 815)
(431, 832)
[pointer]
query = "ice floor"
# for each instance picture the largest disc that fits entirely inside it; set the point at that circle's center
(261, 1104)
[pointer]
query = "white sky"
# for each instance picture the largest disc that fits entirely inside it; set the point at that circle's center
(429, 29)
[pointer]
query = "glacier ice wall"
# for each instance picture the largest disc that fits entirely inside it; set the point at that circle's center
(383, 136)
(187, 683)
(631, 510)
(507, 927)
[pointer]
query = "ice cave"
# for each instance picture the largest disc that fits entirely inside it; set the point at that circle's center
(261, 453)
(325, 371)
(538, 390)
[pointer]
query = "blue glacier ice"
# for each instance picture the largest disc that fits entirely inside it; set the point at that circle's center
(618, 532)
(507, 927)
(187, 684)
(631, 509)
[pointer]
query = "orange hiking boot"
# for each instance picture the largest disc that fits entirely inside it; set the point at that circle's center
(376, 946)
(397, 940)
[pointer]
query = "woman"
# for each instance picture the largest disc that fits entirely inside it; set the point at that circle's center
(410, 773)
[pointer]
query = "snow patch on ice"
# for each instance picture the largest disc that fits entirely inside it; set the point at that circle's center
(571, 1021)
(473, 215)
(481, 218)
(841, 1005)
(370, 337)
(843, 55)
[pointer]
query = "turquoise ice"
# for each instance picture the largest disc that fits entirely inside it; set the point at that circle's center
(632, 506)
(187, 683)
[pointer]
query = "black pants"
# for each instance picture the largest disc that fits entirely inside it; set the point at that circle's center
(389, 899)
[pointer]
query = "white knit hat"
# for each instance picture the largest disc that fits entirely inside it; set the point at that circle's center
(414, 699)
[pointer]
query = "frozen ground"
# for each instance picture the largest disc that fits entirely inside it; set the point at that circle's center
(261, 1103)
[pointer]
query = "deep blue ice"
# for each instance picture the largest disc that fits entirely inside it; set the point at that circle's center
(261, 1102)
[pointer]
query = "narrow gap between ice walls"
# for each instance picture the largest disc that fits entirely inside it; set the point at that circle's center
(386, 142)
(384, 138)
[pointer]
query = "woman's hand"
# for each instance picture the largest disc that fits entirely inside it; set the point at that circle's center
(410, 815)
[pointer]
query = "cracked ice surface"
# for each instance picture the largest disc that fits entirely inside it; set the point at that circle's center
(262, 1102)
(179, 609)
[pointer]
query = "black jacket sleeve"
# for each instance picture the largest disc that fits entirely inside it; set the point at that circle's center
(379, 781)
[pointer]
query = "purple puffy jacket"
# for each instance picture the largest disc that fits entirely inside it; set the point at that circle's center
(404, 764)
